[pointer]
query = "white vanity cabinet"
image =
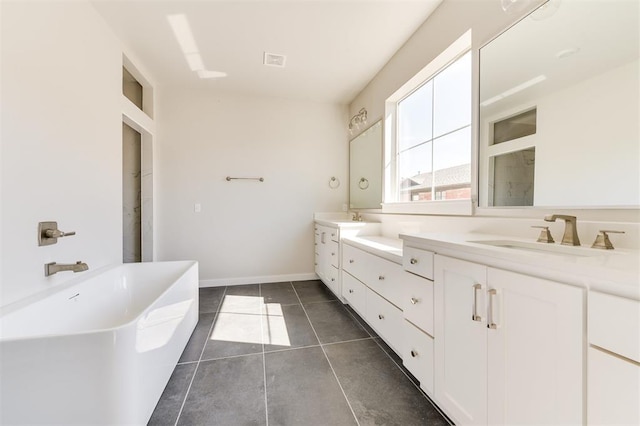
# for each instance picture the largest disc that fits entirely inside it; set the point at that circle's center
(508, 347)
(613, 377)
(373, 287)
(327, 256)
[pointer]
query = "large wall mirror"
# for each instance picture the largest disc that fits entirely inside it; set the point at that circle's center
(559, 96)
(365, 169)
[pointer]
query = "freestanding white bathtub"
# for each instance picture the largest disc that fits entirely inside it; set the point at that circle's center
(99, 351)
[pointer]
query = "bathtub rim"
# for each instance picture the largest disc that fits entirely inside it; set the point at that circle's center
(23, 303)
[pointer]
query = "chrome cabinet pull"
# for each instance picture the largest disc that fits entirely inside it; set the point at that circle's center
(351, 261)
(322, 237)
(474, 314)
(380, 316)
(413, 261)
(333, 279)
(381, 277)
(333, 254)
(414, 354)
(350, 290)
(414, 300)
(491, 323)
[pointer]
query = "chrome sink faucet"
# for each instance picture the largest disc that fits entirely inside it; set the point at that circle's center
(54, 268)
(570, 237)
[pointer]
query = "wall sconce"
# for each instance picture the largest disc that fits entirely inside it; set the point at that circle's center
(359, 119)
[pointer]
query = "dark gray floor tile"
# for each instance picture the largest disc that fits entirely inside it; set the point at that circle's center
(234, 334)
(394, 356)
(379, 393)
(302, 390)
(280, 293)
(333, 323)
(361, 321)
(227, 392)
(168, 408)
(198, 339)
(244, 290)
(210, 299)
(313, 291)
(286, 327)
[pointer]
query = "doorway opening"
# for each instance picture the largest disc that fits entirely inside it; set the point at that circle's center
(131, 195)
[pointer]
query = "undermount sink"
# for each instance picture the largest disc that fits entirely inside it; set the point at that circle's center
(544, 248)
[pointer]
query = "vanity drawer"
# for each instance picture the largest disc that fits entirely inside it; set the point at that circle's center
(333, 280)
(354, 261)
(354, 292)
(417, 301)
(334, 253)
(614, 324)
(386, 319)
(418, 355)
(417, 261)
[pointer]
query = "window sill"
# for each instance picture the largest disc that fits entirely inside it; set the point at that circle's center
(452, 208)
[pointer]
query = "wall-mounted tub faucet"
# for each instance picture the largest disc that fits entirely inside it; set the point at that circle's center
(570, 237)
(54, 268)
(48, 233)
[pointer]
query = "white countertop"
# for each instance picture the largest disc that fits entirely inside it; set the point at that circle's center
(609, 271)
(385, 247)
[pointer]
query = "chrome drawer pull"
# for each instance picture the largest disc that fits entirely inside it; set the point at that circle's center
(380, 316)
(381, 277)
(333, 254)
(350, 290)
(414, 300)
(414, 354)
(351, 260)
(333, 279)
(413, 261)
(474, 314)
(492, 324)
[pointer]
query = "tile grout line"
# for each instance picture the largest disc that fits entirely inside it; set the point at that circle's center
(423, 393)
(326, 357)
(184, 401)
(264, 362)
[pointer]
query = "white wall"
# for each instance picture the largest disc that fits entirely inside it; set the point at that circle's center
(61, 142)
(247, 231)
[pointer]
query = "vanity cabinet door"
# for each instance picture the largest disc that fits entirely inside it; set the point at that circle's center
(460, 355)
(509, 347)
(536, 350)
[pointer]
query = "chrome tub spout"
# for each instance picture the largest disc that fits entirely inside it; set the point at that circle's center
(54, 268)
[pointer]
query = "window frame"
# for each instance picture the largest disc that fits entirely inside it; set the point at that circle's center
(391, 188)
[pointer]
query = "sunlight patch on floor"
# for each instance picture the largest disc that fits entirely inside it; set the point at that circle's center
(247, 319)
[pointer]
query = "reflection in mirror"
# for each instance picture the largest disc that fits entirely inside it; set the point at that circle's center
(365, 169)
(559, 107)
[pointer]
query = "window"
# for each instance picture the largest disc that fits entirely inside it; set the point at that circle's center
(429, 150)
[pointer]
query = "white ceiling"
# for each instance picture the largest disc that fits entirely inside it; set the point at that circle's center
(333, 48)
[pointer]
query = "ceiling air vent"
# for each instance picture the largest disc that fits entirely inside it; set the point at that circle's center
(274, 60)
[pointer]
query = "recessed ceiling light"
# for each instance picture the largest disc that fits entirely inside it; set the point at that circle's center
(274, 60)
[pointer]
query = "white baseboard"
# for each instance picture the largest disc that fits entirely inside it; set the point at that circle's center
(221, 282)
